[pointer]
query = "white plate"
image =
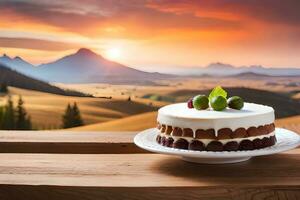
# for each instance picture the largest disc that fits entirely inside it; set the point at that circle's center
(286, 140)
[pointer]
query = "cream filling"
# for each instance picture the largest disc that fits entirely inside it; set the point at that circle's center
(224, 141)
(178, 115)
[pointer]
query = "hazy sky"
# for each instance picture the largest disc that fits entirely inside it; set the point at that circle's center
(149, 33)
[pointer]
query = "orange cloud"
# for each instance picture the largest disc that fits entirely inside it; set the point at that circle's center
(38, 44)
(133, 20)
(193, 31)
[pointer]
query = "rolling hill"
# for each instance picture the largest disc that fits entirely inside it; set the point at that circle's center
(133, 123)
(46, 109)
(16, 79)
(292, 123)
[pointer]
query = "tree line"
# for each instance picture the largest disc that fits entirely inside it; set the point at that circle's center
(14, 118)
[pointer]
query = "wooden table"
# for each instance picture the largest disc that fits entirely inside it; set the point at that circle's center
(65, 165)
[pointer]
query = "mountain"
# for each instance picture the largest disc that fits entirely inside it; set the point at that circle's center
(16, 79)
(219, 65)
(86, 66)
(221, 69)
(17, 64)
(250, 75)
(274, 71)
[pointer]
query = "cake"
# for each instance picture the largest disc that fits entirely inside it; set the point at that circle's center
(250, 128)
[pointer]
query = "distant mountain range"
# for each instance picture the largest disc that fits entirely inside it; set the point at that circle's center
(85, 66)
(16, 79)
(17, 64)
(221, 69)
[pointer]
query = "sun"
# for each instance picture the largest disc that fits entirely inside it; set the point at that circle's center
(113, 53)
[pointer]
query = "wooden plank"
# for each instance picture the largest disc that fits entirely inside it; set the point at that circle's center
(67, 142)
(9, 192)
(133, 176)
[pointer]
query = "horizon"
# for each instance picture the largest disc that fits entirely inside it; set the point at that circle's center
(171, 70)
(176, 70)
(143, 34)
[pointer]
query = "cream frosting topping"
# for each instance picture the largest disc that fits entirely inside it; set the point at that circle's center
(179, 115)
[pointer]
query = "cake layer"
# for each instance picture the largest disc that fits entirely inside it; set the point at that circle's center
(179, 115)
(224, 133)
(200, 145)
(223, 141)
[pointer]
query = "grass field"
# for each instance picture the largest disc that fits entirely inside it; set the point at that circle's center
(133, 123)
(275, 84)
(46, 109)
(292, 123)
(120, 114)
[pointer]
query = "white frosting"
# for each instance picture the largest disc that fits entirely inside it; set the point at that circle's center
(223, 141)
(179, 115)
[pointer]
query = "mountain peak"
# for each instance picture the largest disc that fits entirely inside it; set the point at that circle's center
(21, 62)
(219, 65)
(18, 58)
(85, 51)
(5, 56)
(256, 66)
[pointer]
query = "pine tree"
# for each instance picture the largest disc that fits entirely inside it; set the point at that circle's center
(23, 122)
(3, 88)
(72, 117)
(67, 117)
(77, 120)
(9, 116)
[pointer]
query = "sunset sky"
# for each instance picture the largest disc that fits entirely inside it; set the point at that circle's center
(149, 34)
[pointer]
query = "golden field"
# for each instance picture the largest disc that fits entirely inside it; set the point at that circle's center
(119, 114)
(292, 123)
(133, 123)
(46, 109)
(275, 84)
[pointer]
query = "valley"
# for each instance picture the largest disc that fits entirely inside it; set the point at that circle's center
(112, 96)
(111, 110)
(46, 109)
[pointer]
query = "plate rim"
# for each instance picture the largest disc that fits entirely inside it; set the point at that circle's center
(224, 154)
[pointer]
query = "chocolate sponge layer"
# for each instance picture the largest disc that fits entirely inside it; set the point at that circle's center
(215, 145)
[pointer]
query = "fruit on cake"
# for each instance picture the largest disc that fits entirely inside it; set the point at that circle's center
(216, 123)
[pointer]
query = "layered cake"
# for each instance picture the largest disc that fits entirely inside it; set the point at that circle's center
(249, 128)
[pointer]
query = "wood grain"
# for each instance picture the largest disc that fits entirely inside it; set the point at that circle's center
(147, 176)
(146, 170)
(67, 142)
(11, 192)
